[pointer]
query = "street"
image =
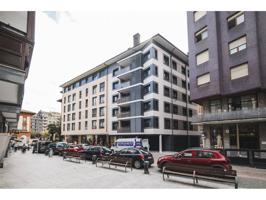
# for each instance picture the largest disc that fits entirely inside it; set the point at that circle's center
(39, 171)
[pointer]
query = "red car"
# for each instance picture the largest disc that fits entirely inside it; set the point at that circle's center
(73, 148)
(201, 157)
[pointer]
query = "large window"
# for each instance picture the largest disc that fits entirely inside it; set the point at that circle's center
(199, 14)
(174, 94)
(239, 71)
(102, 87)
(114, 112)
(166, 60)
(101, 123)
(238, 45)
(147, 89)
(174, 79)
(115, 72)
(94, 101)
(115, 85)
(201, 34)
(115, 98)
(166, 76)
(101, 99)
(166, 91)
(94, 112)
(203, 79)
(167, 123)
(101, 111)
(215, 106)
(167, 107)
(202, 57)
(114, 126)
(236, 19)
(242, 102)
(94, 124)
(94, 89)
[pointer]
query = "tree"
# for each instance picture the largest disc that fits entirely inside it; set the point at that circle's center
(53, 130)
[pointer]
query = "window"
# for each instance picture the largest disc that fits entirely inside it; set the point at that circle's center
(94, 76)
(155, 87)
(174, 66)
(184, 98)
(203, 79)
(183, 70)
(86, 103)
(114, 126)
(174, 78)
(64, 118)
(87, 92)
(166, 60)
(94, 100)
(184, 84)
(68, 98)
(155, 70)
(190, 113)
(86, 114)
(101, 99)
(114, 112)
(175, 109)
(94, 89)
(204, 154)
(101, 111)
(68, 107)
(239, 71)
(80, 94)
(147, 89)
(86, 125)
(187, 154)
(79, 125)
(73, 116)
(115, 85)
(167, 107)
(73, 126)
(202, 57)
(198, 15)
(64, 99)
(79, 115)
(166, 91)
(201, 34)
(185, 125)
(64, 127)
(102, 85)
(115, 98)
(167, 123)
(166, 76)
(101, 123)
(238, 45)
(115, 72)
(175, 124)
(68, 117)
(184, 112)
(68, 126)
(174, 94)
(147, 72)
(80, 104)
(155, 105)
(147, 106)
(146, 56)
(147, 123)
(235, 20)
(94, 124)
(64, 108)
(94, 112)
(73, 97)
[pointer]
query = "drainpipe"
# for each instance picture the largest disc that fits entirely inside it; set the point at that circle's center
(188, 140)
(172, 114)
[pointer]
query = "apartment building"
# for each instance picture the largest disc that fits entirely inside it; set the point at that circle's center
(42, 119)
(16, 46)
(142, 92)
(227, 60)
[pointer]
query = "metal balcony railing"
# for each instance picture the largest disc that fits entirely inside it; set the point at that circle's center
(123, 114)
(123, 129)
(123, 99)
(256, 113)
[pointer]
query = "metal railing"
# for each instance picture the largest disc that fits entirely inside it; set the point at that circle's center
(123, 114)
(123, 99)
(231, 115)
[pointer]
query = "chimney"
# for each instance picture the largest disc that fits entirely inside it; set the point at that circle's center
(136, 39)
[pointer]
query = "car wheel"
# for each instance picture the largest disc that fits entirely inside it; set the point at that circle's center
(137, 164)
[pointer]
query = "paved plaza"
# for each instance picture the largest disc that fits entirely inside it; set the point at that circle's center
(39, 171)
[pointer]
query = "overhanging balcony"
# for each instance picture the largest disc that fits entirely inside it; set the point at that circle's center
(249, 115)
(123, 99)
(123, 129)
(123, 114)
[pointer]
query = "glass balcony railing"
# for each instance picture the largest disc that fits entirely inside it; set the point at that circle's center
(123, 114)
(125, 129)
(252, 114)
(123, 99)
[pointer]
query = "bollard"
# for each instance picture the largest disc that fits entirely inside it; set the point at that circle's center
(146, 167)
(94, 158)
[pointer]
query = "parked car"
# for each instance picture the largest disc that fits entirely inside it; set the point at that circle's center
(73, 148)
(57, 148)
(95, 150)
(200, 157)
(138, 156)
(122, 143)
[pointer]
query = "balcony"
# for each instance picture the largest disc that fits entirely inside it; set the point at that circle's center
(123, 114)
(125, 129)
(124, 84)
(123, 99)
(248, 115)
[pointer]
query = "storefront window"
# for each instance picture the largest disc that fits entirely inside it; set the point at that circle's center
(242, 103)
(215, 106)
(217, 140)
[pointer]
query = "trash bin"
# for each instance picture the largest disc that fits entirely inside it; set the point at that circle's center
(146, 167)
(94, 158)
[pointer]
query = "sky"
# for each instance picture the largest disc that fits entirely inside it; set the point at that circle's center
(78, 41)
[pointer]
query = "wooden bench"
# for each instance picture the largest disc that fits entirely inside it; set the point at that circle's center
(72, 156)
(201, 173)
(115, 161)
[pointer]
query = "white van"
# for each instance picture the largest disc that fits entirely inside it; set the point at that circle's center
(123, 143)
